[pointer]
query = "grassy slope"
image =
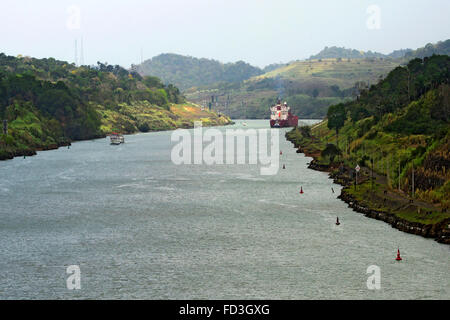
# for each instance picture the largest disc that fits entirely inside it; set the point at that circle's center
(141, 116)
(333, 72)
(295, 79)
(30, 131)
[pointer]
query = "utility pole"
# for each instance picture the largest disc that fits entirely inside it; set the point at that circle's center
(371, 178)
(76, 52)
(82, 53)
(5, 127)
(387, 172)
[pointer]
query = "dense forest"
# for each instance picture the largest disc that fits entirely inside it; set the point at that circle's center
(186, 72)
(400, 129)
(48, 103)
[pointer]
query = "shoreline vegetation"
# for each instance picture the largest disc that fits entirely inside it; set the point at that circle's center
(398, 133)
(48, 104)
(180, 116)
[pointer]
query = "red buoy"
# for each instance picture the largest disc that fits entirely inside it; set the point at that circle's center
(281, 153)
(337, 221)
(398, 255)
(301, 190)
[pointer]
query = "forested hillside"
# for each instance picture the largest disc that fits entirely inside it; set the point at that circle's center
(400, 129)
(186, 72)
(48, 103)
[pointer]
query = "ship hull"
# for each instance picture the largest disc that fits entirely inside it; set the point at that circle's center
(290, 122)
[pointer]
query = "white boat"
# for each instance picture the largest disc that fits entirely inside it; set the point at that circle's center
(116, 138)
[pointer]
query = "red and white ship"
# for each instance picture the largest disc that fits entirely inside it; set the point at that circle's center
(281, 116)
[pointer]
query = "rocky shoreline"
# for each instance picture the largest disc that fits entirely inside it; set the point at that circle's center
(439, 231)
(31, 152)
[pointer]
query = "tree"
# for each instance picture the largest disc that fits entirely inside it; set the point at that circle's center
(305, 131)
(331, 151)
(315, 93)
(337, 115)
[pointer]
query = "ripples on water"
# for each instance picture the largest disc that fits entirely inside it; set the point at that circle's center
(141, 227)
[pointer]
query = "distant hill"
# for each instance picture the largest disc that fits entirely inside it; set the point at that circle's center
(186, 72)
(343, 53)
(440, 48)
(308, 86)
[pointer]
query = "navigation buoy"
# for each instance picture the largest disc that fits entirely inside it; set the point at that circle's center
(284, 167)
(281, 153)
(398, 256)
(332, 190)
(301, 190)
(337, 221)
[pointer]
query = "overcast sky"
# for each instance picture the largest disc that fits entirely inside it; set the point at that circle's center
(260, 32)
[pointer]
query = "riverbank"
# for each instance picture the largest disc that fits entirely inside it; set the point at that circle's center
(129, 119)
(373, 197)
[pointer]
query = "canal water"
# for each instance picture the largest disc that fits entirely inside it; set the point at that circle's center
(140, 227)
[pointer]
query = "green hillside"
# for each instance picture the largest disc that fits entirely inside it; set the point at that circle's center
(49, 103)
(400, 128)
(186, 72)
(310, 87)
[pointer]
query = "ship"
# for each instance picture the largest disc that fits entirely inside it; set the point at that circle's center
(281, 116)
(116, 138)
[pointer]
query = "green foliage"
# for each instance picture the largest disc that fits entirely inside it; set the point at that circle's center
(331, 151)
(48, 102)
(186, 72)
(336, 52)
(337, 115)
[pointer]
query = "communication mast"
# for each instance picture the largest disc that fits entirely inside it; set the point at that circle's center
(81, 53)
(76, 52)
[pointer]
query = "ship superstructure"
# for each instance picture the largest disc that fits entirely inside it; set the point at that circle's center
(281, 116)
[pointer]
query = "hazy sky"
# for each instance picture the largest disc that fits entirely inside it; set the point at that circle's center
(257, 31)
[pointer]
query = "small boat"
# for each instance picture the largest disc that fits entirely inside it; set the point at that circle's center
(116, 138)
(244, 124)
(337, 221)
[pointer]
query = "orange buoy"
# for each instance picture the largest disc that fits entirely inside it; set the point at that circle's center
(337, 221)
(301, 190)
(398, 256)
